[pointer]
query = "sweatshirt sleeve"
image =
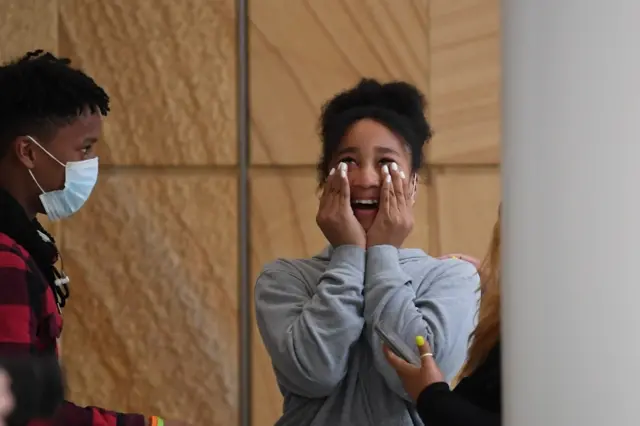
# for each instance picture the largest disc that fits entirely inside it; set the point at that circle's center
(441, 308)
(308, 334)
(439, 406)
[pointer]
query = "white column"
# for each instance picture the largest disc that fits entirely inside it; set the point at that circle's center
(571, 212)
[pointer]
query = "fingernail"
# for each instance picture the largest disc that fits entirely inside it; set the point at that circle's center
(419, 341)
(401, 175)
(332, 171)
(385, 169)
(342, 166)
(394, 167)
(388, 179)
(343, 173)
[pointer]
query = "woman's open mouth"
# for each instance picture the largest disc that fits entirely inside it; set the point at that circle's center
(364, 205)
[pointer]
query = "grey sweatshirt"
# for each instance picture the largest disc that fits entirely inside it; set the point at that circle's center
(316, 320)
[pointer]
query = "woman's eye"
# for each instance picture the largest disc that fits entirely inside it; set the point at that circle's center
(348, 160)
(386, 161)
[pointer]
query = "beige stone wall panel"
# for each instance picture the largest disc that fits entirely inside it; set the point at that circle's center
(468, 201)
(27, 25)
(152, 321)
(170, 70)
(304, 52)
(465, 81)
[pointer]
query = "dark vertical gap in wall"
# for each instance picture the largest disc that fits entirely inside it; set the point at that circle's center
(244, 244)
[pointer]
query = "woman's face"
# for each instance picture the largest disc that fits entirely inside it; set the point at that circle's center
(365, 148)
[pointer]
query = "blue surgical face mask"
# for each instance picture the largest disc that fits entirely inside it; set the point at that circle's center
(80, 179)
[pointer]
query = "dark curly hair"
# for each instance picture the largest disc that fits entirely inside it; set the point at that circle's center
(398, 105)
(40, 93)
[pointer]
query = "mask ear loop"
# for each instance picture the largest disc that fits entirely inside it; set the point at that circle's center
(50, 155)
(45, 151)
(36, 181)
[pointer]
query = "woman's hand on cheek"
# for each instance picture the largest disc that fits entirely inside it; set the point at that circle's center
(335, 216)
(394, 220)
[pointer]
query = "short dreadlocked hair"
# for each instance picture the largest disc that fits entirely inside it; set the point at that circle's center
(398, 105)
(39, 93)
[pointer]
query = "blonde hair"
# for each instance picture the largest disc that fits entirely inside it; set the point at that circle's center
(487, 333)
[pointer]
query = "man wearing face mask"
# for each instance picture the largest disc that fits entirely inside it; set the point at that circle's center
(50, 119)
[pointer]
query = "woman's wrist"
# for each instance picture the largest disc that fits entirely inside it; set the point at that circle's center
(431, 392)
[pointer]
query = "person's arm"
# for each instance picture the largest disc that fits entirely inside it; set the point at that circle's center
(309, 335)
(70, 414)
(441, 308)
(439, 406)
(18, 337)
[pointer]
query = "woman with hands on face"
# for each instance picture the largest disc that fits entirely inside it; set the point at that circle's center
(316, 316)
(389, 224)
(476, 400)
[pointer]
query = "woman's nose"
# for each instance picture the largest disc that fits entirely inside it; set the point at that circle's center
(365, 177)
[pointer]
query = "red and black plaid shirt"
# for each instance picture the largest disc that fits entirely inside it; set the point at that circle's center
(30, 323)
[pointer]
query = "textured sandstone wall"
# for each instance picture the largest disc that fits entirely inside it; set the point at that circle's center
(152, 324)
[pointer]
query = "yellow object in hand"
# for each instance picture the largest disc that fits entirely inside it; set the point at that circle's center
(419, 341)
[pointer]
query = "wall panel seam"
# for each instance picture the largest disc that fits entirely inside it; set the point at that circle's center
(244, 243)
